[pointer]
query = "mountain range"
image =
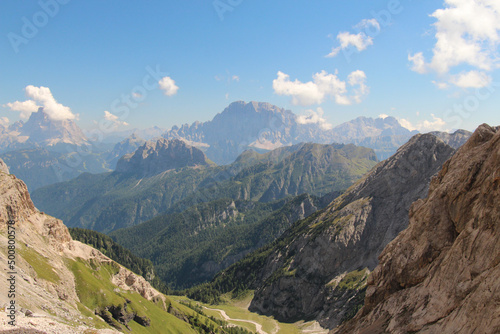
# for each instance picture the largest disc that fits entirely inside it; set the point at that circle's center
(267, 127)
(171, 175)
(318, 268)
(44, 151)
(411, 246)
(437, 254)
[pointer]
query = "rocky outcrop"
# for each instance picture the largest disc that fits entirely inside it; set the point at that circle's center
(155, 157)
(441, 275)
(128, 281)
(318, 269)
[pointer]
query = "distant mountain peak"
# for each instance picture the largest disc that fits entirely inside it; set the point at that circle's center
(263, 127)
(44, 131)
(156, 156)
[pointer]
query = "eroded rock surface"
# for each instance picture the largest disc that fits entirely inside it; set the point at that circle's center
(441, 275)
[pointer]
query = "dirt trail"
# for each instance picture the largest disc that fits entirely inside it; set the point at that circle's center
(227, 318)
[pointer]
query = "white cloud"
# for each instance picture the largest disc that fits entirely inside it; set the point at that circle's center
(368, 24)
(358, 79)
(467, 33)
(114, 120)
(168, 86)
(383, 116)
(315, 117)
(471, 79)
(436, 124)
(418, 62)
(25, 108)
(4, 121)
(41, 97)
(235, 78)
(360, 40)
(324, 85)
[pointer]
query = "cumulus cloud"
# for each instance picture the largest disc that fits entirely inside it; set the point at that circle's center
(168, 86)
(41, 97)
(467, 34)
(383, 116)
(360, 40)
(114, 120)
(472, 79)
(315, 117)
(322, 86)
(436, 124)
(25, 108)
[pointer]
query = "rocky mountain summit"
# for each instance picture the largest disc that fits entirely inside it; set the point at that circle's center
(267, 127)
(42, 131)
(155, 157)
(441, 275)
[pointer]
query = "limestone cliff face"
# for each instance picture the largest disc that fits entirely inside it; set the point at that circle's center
(320, 270)
(441, 275)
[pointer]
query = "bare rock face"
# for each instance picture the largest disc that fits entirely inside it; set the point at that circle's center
(158, 156)
(321, 270)
(127, 280)
(441, 275)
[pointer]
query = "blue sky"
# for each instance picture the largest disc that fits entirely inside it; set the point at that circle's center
(104, 59)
